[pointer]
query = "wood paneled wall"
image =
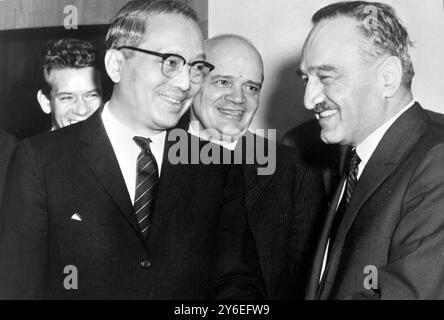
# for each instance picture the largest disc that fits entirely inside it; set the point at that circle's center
(25, 27)
(23, 14)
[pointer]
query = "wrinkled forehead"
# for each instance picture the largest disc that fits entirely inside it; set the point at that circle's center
(332, 42)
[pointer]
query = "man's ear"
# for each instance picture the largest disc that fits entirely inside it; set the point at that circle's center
(113, 64)
(44, 102)
(392, 76)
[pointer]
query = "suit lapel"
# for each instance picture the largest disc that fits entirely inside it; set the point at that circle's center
(99, 154)
(313, 282)
(254, 183)
(174, 182)
(395, 143)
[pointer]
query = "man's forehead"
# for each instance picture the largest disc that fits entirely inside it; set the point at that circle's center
(63, 73)
(173, 33)
(236, 60)
(329, 41)
(72, 79)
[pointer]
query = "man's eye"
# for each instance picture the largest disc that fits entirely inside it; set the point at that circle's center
(198, 66)
(92, 95)
(223, 83)
(252, 88)
(67, 98)
(325, 78)
(172, 62)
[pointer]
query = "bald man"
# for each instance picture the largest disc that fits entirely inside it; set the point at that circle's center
(283, 207)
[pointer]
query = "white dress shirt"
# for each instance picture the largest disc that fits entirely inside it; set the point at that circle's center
(127, 151)
(365, 150)
(196, 132)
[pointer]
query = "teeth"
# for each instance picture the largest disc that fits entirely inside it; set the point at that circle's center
(232, 112)
(327, 113)
(171, 100)
(317, 116)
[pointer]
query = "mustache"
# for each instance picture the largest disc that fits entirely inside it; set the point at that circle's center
(321, 107)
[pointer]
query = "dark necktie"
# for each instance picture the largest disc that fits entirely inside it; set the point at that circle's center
(146, 182)
(350, 184)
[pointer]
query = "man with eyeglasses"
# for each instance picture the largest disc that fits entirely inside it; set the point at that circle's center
(100, 211)
(71, 90)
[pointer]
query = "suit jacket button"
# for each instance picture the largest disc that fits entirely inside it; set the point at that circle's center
(145, 264)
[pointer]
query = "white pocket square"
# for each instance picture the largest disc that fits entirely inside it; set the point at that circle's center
(76, 217)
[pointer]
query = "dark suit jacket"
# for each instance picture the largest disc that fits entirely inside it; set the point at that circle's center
(198, 246)
(328, 158)
(394, 221)
(285, 211)
(7, 148)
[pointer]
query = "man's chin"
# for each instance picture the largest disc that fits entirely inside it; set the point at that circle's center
(231, 133)
(330, 138)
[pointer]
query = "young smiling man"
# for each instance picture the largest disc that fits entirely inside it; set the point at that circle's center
(71, 90)
(103, 197)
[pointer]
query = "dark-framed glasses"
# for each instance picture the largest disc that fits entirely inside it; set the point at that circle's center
(173, 63)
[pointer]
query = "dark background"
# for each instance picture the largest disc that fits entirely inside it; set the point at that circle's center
(20, 74)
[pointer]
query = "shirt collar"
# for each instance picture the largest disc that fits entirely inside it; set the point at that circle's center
(366, 148)
(122, 132)
(121, 138)
(196, 132)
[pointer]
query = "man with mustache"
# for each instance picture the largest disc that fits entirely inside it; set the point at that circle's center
(384, 232)
(71, 90)
(99, 209)
(284, 206)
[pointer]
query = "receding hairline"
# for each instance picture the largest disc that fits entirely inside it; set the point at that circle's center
(213, 42)
(362, 43)
(210, 43)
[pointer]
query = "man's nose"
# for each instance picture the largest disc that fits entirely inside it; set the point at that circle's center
(236, 96)
(81, 108)
(182, 79)
(314, 94)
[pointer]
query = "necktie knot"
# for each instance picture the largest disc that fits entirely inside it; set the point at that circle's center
(143, 143)
(354, 161)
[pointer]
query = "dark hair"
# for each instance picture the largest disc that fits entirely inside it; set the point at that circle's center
(385, 34)
(128, 27)
(66, 54)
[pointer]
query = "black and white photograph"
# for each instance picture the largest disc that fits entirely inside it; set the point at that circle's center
(222, 155)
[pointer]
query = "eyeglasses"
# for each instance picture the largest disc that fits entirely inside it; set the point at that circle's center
(173, 63)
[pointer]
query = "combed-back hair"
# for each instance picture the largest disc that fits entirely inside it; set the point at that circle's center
(128, 27)
(381, 27)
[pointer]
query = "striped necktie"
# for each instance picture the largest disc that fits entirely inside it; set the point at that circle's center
(146, 182)
(352, 179)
